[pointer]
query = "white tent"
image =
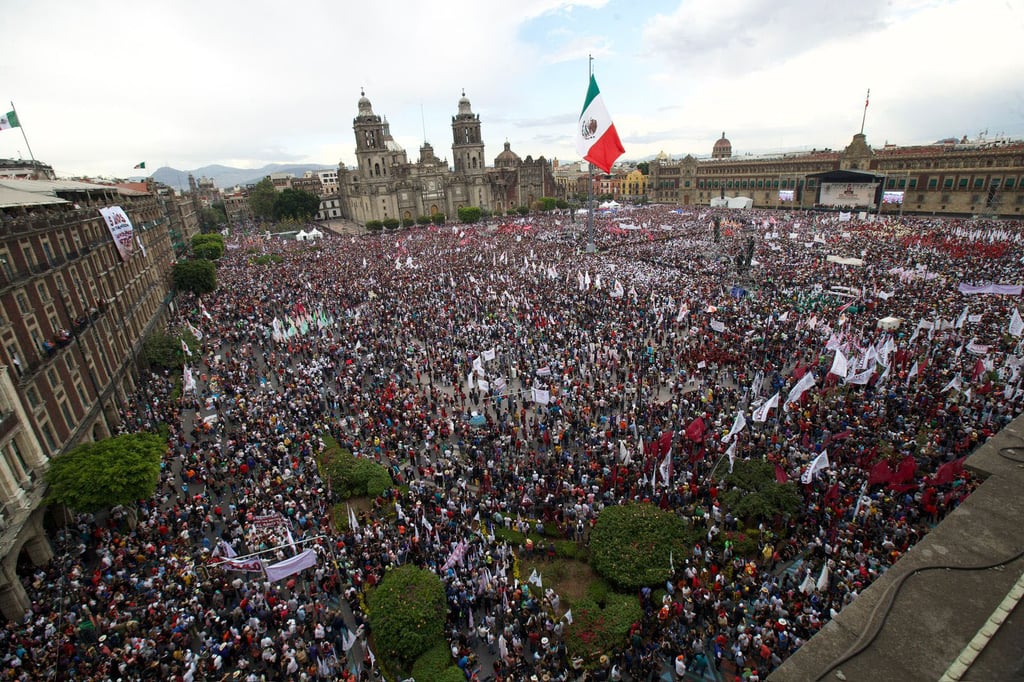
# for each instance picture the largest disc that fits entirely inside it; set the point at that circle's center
(315, 233)
(610, 204)
(740, 202)
(301, 236)
(889, 323)
(719, 202)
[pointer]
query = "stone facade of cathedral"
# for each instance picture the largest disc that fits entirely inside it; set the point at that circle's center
(386, 184)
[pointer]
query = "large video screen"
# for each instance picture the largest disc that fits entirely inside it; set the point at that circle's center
(848, 193)
(785, 195)
(892, 197)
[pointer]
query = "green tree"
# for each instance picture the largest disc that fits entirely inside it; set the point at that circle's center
(407, 613)
(437, 664)
(211, 217)
(408, 222)
(374, 225)
(644, 167)
(523, 210)
(561, 204)
(600, 627)
(630, 544)
(423, 220)
(391, 223)
(163, 351)
(352, 476)
(547, 203)
(297, 204)
(208, 246)
(198, 276)
(437, 218)
(469, 214)
(262, 198)
(753, 494)
(107, 473)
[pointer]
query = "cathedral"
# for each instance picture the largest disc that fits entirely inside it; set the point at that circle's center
(385, 184)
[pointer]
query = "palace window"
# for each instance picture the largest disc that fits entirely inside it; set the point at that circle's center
(947, 183)
(979, 183)
(962, 184)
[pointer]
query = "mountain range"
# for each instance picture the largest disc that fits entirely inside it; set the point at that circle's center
(226, 177)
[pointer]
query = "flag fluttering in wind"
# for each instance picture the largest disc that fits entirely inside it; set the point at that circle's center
(820, 463)
(761, 413)
(141, 164)
(9, 120)
(596, 138)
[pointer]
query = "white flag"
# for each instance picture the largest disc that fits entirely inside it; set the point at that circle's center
(731, 452)
(956, 383)
(963, 318)
(912, 373)
(1016, 323)
(718, 326)
(483, 385)
(535, 579)
(806, 381)
(861, 378)
(568, 616)
(839, 364)
(823, 579)
(737, 426)
(761, 413)
(665, 468)
(820, 462)
(488, 355)
(541, 396)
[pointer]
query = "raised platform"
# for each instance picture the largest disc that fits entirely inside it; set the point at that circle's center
(925, 619)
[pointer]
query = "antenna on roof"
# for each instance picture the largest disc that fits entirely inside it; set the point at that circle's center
(423, 121)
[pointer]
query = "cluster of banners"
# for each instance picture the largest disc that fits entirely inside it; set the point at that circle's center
(299, 325)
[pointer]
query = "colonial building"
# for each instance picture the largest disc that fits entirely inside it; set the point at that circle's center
(73, 316)
(385, 184)
(949, 177)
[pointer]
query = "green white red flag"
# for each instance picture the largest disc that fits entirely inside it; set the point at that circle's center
(596, 138)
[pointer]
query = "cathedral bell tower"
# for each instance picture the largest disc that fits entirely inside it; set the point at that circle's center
(371, 149)
(467, 146)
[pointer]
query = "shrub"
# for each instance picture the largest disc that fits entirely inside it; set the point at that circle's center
(391, 223)
(437, 218)
(352, 476)
(423, 220)
(374, 225)
(752, 493)
(408, 222)
(522, 210)
(198, 276)
(437, 664)
(596, 630)
(469, 214)
(407, 613)
(630, 544)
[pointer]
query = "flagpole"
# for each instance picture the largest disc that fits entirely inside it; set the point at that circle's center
(864, 117)
(591, 248)
(22, 127)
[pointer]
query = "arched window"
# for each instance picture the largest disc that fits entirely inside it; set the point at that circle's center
(474, 162)
(376, 169)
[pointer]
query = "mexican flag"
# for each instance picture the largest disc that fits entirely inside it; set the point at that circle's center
(596, 138)
(141, 164)
(9, 120)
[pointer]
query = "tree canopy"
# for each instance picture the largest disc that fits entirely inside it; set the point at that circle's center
(407, 612)
(297, 204)
(262, 198)
(198, 276)
(630, 544)
(106, 473)
(753, 494)
(212, 216)
(209, 246)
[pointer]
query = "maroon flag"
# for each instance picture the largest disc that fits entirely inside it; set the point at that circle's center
(948, 471)
(905, 471)
(832, 495)
(880, 473)
(665, 442)
(780, 474)
(695, 431)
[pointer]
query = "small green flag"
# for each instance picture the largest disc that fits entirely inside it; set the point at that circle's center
(9, 120)
(141, 165)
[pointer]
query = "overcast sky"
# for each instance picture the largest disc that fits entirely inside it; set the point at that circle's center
(101, 85)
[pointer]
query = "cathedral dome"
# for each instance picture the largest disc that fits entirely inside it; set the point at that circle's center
(365, 108)
(722, 148)
(662, 156)
(507, 158)
(464, 107)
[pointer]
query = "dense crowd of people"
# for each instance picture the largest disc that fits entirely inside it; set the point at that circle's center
(509, 379)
